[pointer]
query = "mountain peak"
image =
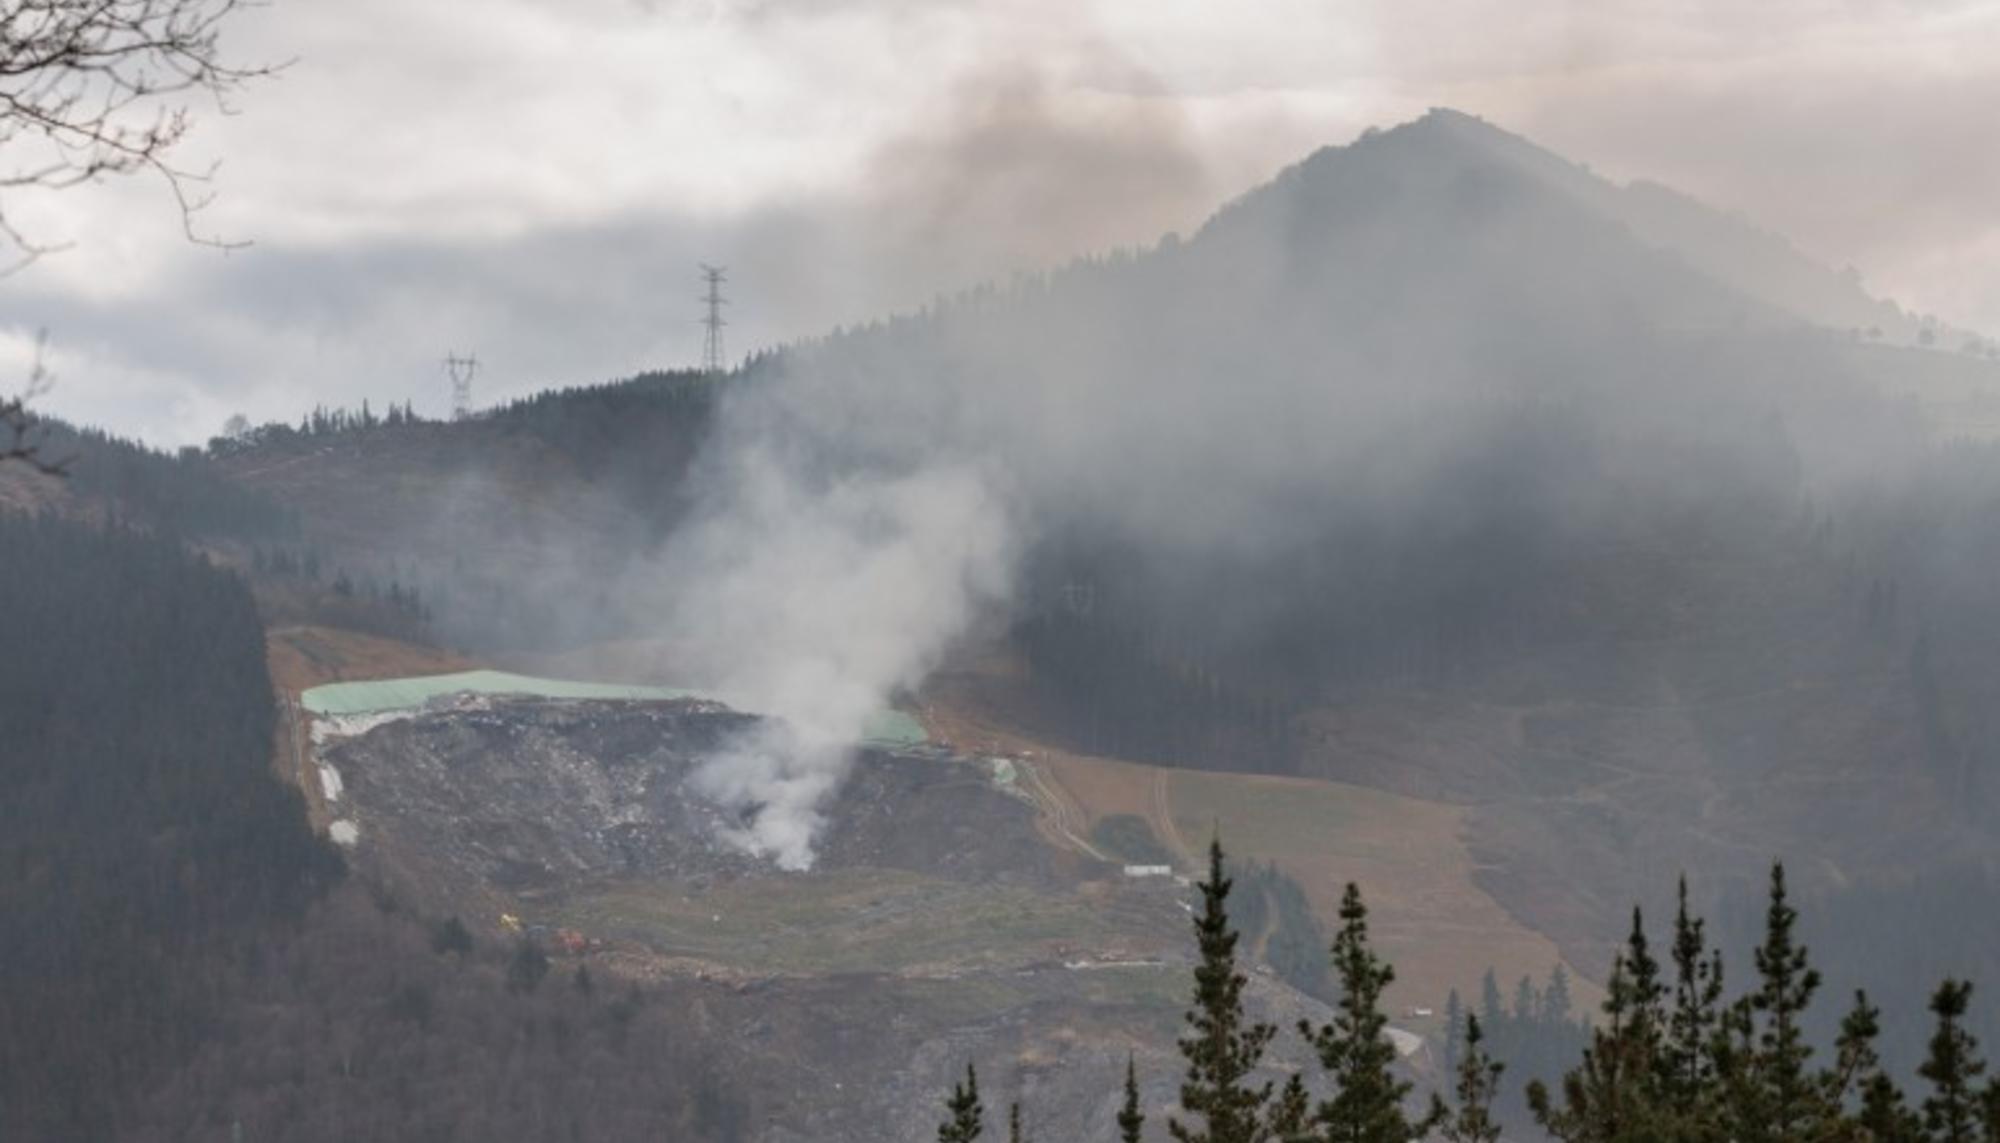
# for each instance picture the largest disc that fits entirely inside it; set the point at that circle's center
(1445, 146)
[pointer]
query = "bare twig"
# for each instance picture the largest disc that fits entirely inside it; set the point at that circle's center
(91, 89)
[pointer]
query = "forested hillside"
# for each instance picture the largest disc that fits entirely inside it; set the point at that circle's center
(1433, 465)
(177, 960)
(143, 833)
(183, 493)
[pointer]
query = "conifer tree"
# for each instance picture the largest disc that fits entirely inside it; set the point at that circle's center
(1688, 1074)
(1781, 1102)
(1367, 1106)
(1223, 1047)
(1857, 1072)
(1952, 1113)
(1490, 1011)
(1619, 1090)
(1855, 1058)
(1646, 1021)
(1603, 1096)
(1478, 1083)
(1014, 1123)
(1527, 1002)
(1556, 1000)
(1131, 1120)
(1884, 1116)
(1291, 1114)
(965, 1118)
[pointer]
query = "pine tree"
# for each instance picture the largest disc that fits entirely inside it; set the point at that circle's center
(1855, 1058)
(1647, 1019)
(1490, 1012)
(1222, 1048)
(1952, 1114)
(1556, 1002)
(1688, 1073)
(965, 1117)
(1603, 1097)
(1686, 1085)
(1014, 1123)
(1131, 1121)
(1783, 1103)
(1527, 1002)
(1883, 1114)
(1367, 1106)
(1291, 1114)
(1478, 1084)
(1857, 1071)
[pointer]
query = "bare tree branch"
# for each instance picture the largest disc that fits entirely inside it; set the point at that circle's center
(91, 89)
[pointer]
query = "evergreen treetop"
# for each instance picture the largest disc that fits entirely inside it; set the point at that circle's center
(1223, 1047)
(1952, 1114)
(1131, 1120)
(1478, 1082)
(1367, 1104)
(965, 1117)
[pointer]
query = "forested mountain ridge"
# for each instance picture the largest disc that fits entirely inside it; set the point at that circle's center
(491, 518)
(101, 476)
(1436, 465)
(1729, 248)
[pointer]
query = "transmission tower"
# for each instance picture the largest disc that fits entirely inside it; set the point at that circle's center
(711, 342)
(460, 370)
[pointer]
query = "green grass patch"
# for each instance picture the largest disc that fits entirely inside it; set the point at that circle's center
(860, 920)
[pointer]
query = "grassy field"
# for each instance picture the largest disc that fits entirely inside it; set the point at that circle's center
(305, 657)
(875, 920)
(1409, 855)
(1427, 916)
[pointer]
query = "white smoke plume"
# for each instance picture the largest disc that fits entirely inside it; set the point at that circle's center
(810, 592)
(1338, 374)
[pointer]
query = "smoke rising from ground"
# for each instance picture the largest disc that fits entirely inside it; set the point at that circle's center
(1405, 393)
(811, 591)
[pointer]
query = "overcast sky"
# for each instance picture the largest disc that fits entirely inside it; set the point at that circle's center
(536, 179)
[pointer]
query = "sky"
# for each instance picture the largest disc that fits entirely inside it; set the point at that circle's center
(536, 180)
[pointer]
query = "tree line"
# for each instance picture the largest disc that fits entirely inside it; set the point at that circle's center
(142, 828)
(182, 492)
(1672, 1057)
(181, 958)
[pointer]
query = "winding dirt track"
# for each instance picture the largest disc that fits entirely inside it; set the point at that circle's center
(1162, 818)
(1062, 820)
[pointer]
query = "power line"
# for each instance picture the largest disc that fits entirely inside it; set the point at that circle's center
(711, 342)
(460, 370)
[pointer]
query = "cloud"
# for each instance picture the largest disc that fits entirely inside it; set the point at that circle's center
(539, 178)
(1017, 174)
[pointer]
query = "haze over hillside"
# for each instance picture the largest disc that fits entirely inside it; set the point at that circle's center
(1433, 407)
(1437, 515)
(1438, 458)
